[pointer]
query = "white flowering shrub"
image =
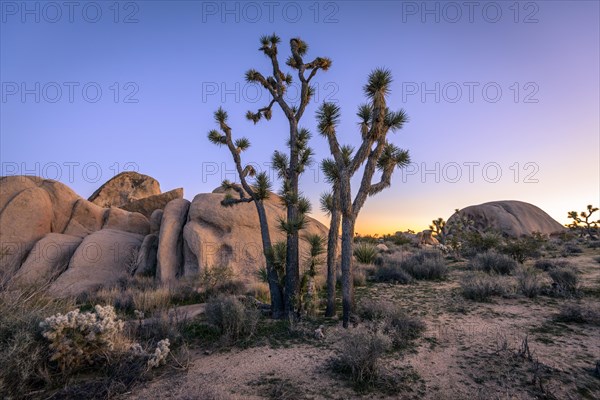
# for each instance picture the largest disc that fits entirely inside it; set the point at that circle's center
(78, 338)
(159, 357)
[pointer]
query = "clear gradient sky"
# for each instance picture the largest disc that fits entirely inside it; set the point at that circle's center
(503, 97)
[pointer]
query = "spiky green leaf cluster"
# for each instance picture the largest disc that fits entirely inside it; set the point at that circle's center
(263, 186)
(280, 163)
(328, 117)
(378, 83)
(217, 138)
(242, 144)
(393, 156)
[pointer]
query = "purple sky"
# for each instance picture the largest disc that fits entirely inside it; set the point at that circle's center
(503, 97)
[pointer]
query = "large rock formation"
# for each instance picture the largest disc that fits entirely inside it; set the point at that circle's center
(170, 240)
(42, 222)
(125, 188)
(102, 259)
(510, 217)
(230, 236)
(50, 235)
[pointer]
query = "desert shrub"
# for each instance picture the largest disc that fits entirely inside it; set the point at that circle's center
(492, 262)
(24, 354)
(520, 249)
(473, 242)
(78, 339)
(571, 248)
(211, 278)
(481, 287)
(359, 276)
(365, 252)
(597, 259)
(593, 244)
(260, 291)
(564, 280)
(426, 265)
(392, 272)
(579, 313)
(529, 282)
(359, 355)
(152, 300)
(392, 320)
(547, 265)
(233, 319)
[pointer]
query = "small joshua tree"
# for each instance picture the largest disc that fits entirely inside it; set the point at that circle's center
(437, 227)
(247, 194)
(582, 221)
(375, 153)
(314, 260)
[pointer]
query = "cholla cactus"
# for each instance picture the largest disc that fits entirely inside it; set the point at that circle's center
(77, 338)
(159, 357)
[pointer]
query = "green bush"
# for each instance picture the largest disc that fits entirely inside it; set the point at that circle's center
(365, 252)
(481, 287)
(233, 319)
(492, 262)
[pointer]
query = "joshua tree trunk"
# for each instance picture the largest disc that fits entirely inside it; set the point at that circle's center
(275, 289)
(347, 272)
(292, 268)
(332, 248)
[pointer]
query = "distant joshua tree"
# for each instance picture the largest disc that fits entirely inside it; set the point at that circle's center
(582, 221)
(375, 153)
(437, 227)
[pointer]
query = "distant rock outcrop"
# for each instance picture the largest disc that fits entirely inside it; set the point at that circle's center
(510, 217)
(125, 188)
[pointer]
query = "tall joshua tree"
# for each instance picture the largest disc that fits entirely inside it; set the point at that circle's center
(330, 204)
(256, 194)
(277, 85)
(375, 152)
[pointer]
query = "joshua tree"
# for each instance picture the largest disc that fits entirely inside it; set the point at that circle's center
(256, 194)
(375, 152)
(583, 218)
(308, 288)
(437, 227)
(330, 204)
(299, 154)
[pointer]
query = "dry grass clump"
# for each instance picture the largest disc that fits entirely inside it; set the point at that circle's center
(492, 262)
(233, 319)
(565, 281)
(393, 321)
(529, 282)
(359, 356)
(481, 287)
(426, 265)
(579, 313)
(547, 265)
(392, 272)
